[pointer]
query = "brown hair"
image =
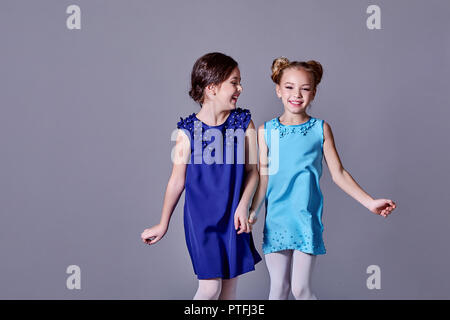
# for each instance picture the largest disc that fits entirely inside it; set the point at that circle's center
(212, 68)
(313, 67)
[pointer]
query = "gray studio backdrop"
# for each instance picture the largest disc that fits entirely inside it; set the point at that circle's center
(87, 114)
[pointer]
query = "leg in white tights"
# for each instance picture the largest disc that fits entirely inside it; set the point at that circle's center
(279, 266)
(228, 291)
(208, 289)
(213, 289)
(302, 268)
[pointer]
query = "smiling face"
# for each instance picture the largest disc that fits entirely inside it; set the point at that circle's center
(227, 93)
(296, 90)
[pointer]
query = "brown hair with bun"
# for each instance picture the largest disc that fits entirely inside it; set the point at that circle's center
(211, 68)
(313, 67)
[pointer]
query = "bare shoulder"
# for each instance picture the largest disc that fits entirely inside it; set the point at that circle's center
(262, 136)
(326, 126)
(251, 125)
(183, 138)
(327, 130)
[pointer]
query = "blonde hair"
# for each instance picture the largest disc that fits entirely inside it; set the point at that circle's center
(282, 63)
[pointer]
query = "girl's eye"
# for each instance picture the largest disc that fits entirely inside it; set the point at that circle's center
(307, 89)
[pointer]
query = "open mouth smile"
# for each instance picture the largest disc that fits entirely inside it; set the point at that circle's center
(296, 103)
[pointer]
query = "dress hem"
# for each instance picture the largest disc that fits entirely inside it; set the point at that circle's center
(221, 276)
(295, 248)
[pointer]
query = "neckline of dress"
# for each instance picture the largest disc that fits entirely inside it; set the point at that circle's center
(293, 125)
(226, 120)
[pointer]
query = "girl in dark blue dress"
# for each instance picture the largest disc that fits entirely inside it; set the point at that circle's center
(215, 162)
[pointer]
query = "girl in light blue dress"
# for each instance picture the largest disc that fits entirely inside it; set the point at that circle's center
(292, 147)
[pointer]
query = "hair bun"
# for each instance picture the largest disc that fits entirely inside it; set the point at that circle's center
(277, 66)
(317, 70)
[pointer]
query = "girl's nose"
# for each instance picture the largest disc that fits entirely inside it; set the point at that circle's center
(239, 87)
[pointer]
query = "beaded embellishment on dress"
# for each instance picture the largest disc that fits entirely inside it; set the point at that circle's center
(301, 129)
(237, 119)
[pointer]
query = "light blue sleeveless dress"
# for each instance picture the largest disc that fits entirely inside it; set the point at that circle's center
(293, 199)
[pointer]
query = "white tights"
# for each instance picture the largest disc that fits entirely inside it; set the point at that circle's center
(216, 289)
(280, 264)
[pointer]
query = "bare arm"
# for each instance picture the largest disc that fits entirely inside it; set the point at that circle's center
(250, 182)
(263, 177)
(345, 181)
(174, 189)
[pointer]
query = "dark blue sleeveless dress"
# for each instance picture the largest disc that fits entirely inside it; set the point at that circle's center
(214, 185)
